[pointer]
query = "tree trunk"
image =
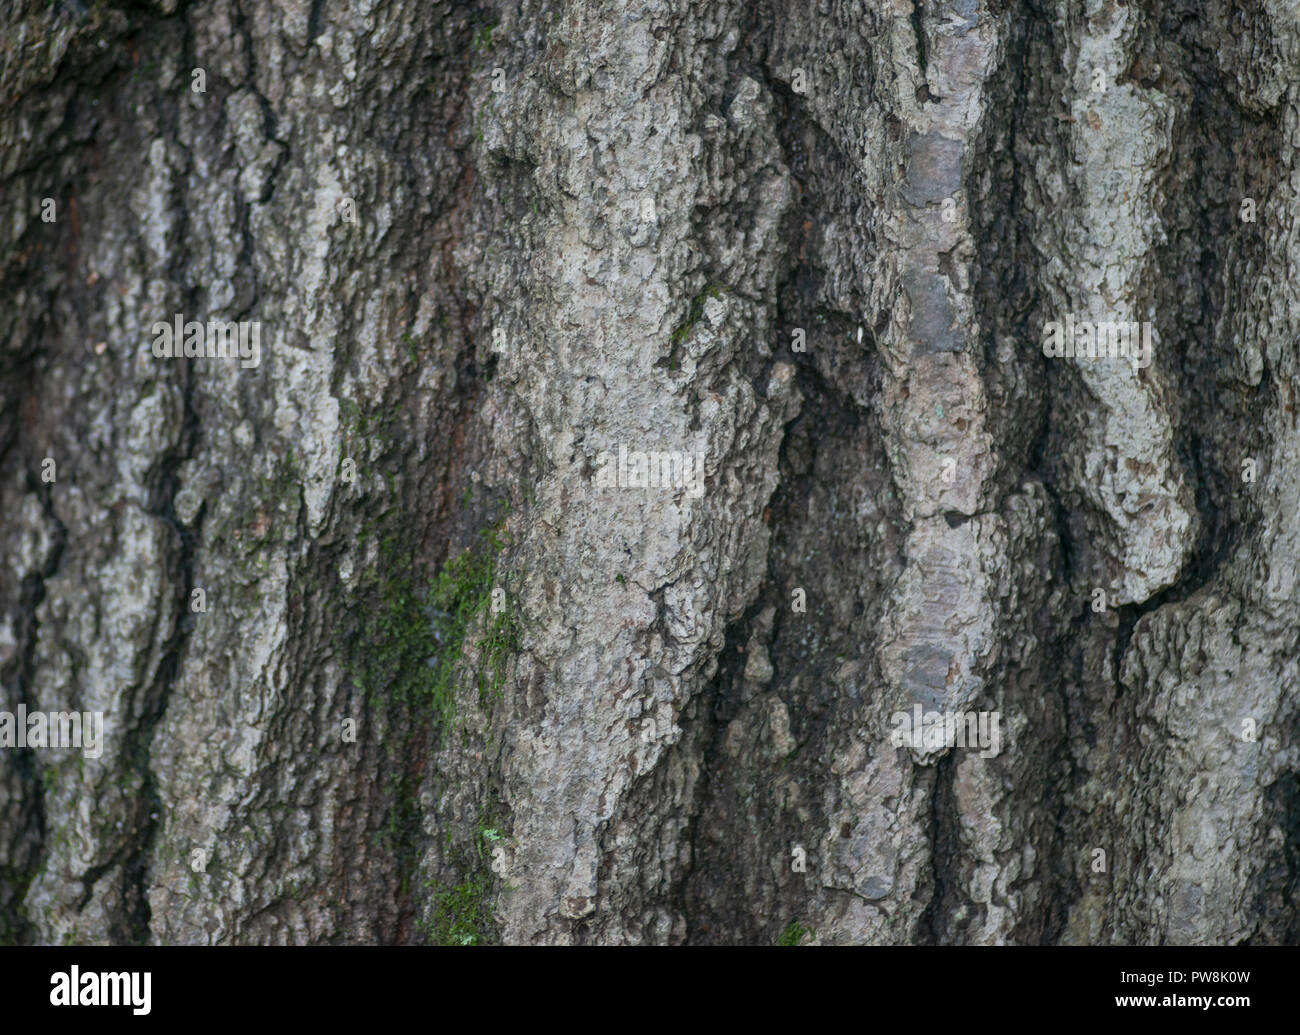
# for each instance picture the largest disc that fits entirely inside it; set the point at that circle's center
(387, 647)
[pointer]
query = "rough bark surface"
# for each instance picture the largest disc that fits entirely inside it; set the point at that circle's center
(445, 683)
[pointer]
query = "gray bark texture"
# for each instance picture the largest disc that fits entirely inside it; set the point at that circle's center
(443, 682)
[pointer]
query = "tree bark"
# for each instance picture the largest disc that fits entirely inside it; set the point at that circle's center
(382, 655)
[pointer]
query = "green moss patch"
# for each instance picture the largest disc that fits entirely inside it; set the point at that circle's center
(408, 637)
(694, 314)
(794, 934)
(461, 914)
